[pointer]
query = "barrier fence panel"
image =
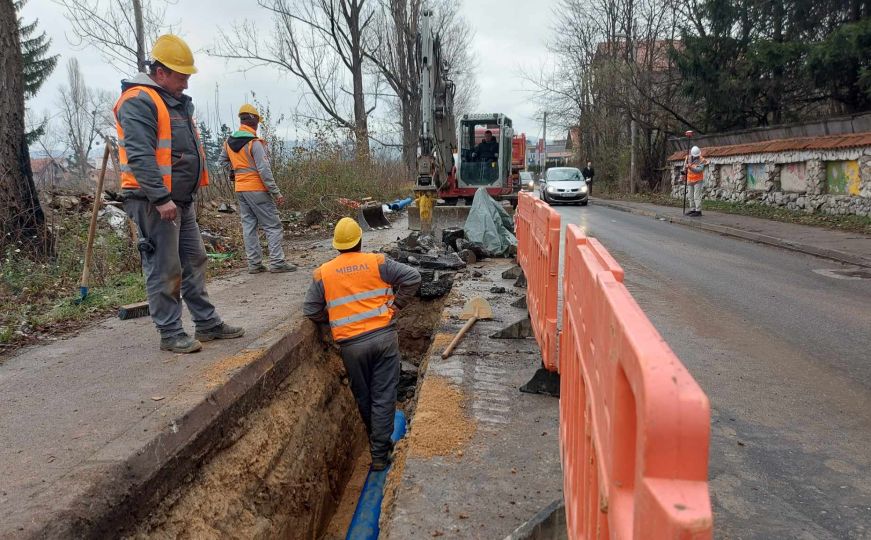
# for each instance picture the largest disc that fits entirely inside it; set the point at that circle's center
(543, 291)
(522, 225)
(537, 228)
(634, 424)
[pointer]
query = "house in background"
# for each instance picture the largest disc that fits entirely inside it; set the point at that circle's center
(49, 172)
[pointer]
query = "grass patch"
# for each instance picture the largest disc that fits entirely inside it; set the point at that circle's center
(848, 223)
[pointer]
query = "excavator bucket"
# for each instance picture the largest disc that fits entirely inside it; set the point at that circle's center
(371, 216)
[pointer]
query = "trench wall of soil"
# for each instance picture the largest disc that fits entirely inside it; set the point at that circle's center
(281, 469)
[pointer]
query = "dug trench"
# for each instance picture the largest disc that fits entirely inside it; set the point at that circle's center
(291, 463)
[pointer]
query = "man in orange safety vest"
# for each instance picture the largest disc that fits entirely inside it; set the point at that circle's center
(162, 165)
(694, 168)
(358, 294)
(244, 158)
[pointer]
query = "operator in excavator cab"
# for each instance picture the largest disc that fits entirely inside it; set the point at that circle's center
(488, 149)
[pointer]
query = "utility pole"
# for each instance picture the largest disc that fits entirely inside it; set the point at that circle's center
(140, 35)
(633, 129)
(543, 153)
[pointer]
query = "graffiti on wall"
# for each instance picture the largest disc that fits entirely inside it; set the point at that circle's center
(755, 176)
(842, 177)
(793, 177)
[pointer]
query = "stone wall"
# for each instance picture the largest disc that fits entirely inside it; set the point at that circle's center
(836, 181)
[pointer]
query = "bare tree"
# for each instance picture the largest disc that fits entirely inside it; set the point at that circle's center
(21, 216)
(85, 117)
(321, 43)
(121, 30)
(392, 48)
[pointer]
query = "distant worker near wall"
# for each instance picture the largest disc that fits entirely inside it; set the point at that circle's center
(244, 158)
(694, 168)
(358, 294)
(163, 164)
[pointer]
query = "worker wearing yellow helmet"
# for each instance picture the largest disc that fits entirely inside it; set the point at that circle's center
(358, 294)
(163, 164)
(244, 158)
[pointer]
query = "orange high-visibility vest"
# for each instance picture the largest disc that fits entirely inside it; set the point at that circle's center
(163, 152)
(695, 176)
(358, 300)
(244, 169)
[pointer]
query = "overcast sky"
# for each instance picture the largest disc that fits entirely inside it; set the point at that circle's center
(509, 35)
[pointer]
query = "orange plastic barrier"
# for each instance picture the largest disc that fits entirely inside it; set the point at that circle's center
(537, 227)
(634, 424)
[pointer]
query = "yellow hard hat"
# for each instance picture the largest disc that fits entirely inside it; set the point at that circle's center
(347, 234)
(174, 53)
(248, 109)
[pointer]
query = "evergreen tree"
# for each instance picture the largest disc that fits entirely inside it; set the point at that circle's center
(38, 64)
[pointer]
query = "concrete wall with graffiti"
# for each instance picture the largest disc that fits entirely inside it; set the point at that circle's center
(832, 181)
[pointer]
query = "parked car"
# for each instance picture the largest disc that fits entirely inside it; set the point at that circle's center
(527, 182)
(564, 184)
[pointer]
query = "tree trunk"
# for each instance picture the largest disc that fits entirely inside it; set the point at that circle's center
(21, 217)
(361, 123)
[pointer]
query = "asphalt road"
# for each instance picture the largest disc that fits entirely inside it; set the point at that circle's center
(784, 354)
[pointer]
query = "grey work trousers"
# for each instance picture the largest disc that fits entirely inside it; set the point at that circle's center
(176, 269)
(373, 367)
(695, 191)
(258, 208)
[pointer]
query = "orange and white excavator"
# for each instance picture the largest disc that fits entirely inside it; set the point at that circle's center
(455, 161)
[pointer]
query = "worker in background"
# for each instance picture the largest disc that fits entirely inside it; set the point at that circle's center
(358, 294)
(588, 174)
(694, 168)
(244, 158)
(488, 149)
(163, 164)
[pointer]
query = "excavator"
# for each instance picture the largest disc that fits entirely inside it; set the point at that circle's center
(454, 163)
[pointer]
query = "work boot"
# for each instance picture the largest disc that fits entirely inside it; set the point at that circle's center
(698, 213)
(282, 267)
(256, 269)
(181, 343)
(380, 464)
(222, 331)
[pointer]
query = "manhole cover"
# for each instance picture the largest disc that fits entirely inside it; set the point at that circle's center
(846, 273)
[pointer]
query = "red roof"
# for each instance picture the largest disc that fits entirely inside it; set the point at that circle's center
(831, 142)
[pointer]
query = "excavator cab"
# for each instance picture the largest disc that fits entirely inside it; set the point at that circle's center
(485, 151)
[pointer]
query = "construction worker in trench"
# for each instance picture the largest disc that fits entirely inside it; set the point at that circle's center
(163, 164)
(358, 294)
(244, 158)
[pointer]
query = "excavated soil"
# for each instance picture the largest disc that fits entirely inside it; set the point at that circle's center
(284, 472)
(441, 426)
(415, 324)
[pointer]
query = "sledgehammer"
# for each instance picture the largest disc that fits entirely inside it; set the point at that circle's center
(475, 309)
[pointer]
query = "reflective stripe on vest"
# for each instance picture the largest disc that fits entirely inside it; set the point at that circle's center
(247, 177)
(358, 300)
(163, 151)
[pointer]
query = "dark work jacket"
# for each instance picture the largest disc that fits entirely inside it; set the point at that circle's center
(138, 117)
(588, 173)
(488, 151)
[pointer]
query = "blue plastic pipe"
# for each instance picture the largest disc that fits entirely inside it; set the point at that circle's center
(399, 204)
(364, 524)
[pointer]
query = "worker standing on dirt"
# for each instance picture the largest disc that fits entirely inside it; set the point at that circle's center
(243, 156)
(359, 294)
(162, 167)
(694, 168)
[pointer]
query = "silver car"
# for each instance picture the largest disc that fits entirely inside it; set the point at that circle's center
(564, 184)
(527, 183)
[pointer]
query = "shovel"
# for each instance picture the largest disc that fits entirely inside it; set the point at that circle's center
(475, 309)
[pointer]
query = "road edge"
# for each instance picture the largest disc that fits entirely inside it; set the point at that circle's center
(831, 254)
